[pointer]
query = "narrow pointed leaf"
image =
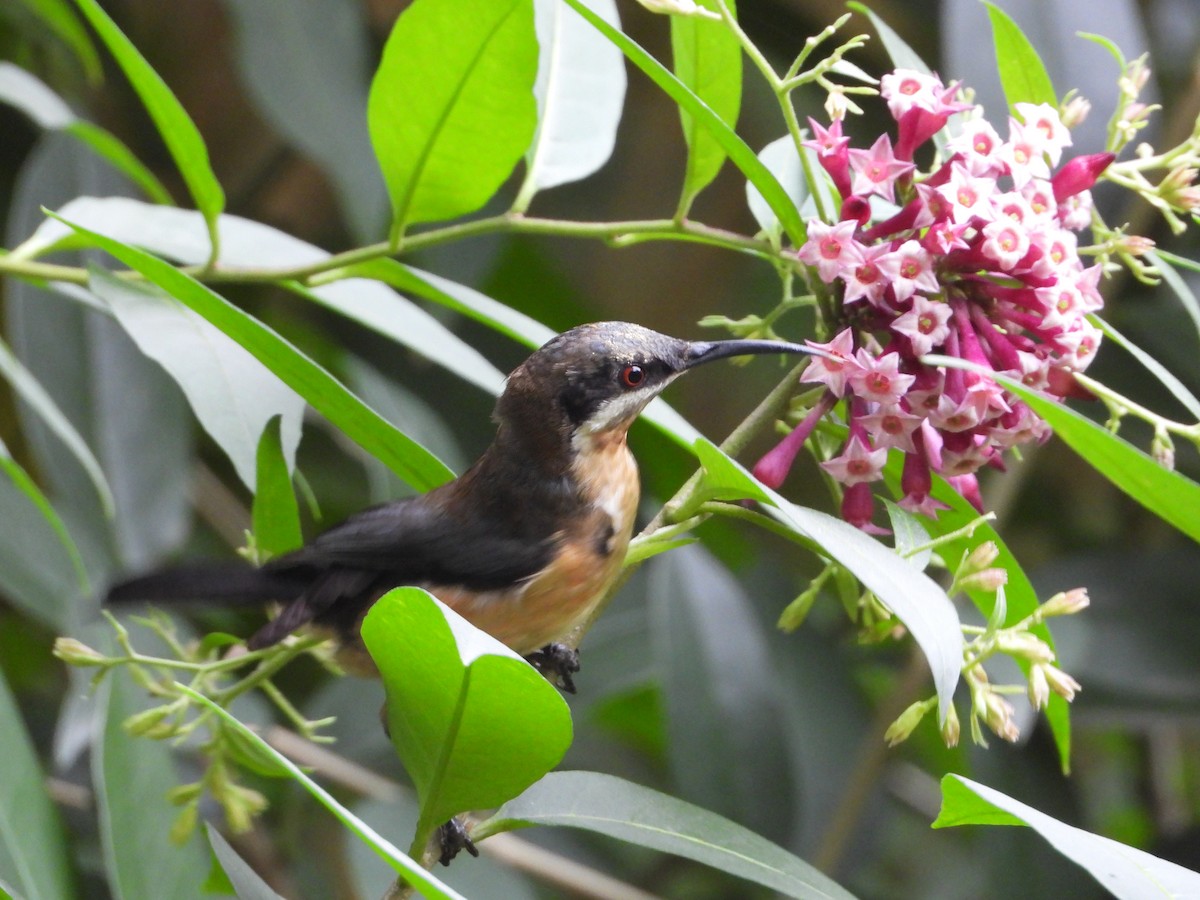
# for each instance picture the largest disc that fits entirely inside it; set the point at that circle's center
(248, 883)
(328, 396)
(1166, 263)
(275, 512)
(33, 852)
(60, 18)
(474, 724)
(178, 131)
(451, 109)
(781, 158)
(1022, 73)
(1124, 871)
(1167, 378)
(580, 90)
(903, 56)
(429, 886)
(739, 152)
(917, 601)
(708, 61)
(646, 818)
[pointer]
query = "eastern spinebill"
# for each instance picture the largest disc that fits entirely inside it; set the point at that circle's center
(523, 544)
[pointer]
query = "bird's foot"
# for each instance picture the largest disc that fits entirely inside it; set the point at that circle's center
(453, 838)
(558, 663)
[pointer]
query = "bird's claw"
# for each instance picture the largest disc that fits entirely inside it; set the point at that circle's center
(558, 663)
(453, 838)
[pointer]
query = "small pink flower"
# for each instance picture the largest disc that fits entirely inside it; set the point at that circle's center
(1006, 242)
(833, 369)
(876, 170)
(879, 379)
(910, 269)
(857, 464)
(865, 280)
(829, 248)
(1042, 119)
(891, 427)
(905, 89)
(968, 195)
(924, 325)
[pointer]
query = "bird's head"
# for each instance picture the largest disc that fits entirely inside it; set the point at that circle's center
(595, 379)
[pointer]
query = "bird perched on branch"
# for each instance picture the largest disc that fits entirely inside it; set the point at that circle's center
(523, 544)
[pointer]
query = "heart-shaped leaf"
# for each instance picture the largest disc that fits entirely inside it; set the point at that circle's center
(474, 724)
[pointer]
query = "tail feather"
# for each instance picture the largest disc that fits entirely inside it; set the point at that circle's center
(224, 584)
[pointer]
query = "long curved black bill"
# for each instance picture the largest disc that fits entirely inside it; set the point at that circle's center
(699, 352)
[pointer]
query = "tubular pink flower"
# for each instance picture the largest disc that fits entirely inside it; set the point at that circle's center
(832, 369)
(910, 269)
(858, 506)
(832, 153)
(968, 487)
(865, 280)
(1043, 120)
(924, 325)
(878, 379)
(774, 466)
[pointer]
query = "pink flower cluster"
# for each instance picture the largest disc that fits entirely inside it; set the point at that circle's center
(976, 259)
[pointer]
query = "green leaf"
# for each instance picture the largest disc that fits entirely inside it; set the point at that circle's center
(451, 109)
(248, 884)
(33, 852)
(360, 423)
(27, 486)
(179, 235)
(902, 55)
(1166, 263)
(30, 391)
(580, 90)
(708, 61)
(782, 160)
(1185, 397)
(232, 393)
(646, 818)
(473, 723)
(1169, 495)
(1124, 871)
(178, 131)
(132, 778)
(275, 513)
(60, 18)
(738, 151)
(910, 534)
(1022, 73)
(917, 601)
(429, 886)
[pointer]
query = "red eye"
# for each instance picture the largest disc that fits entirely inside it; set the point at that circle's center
(632, 376)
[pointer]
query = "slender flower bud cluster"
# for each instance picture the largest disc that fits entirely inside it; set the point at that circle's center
(975, 259)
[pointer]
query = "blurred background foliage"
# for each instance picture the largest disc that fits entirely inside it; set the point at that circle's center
(687, 685)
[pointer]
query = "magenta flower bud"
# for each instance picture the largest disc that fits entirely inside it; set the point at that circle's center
(968, 487)
(858, 505)
(773, 468)
(916, 480)
(1079, 174)
(856, 208)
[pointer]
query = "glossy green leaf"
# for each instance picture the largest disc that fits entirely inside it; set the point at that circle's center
(60, 17)
(33, 852)
(473, 723)
(30, 391)
(917, 601)
(738, 151)
(429, 886)
(1124, 871)
(232, 394)
(646, 818)
(902, 55)
(580, 90)
(708, 61)
(360, 423)
(1022, 73)
(275, 512)
(451, 109)
(178, 131)
(179, 235)
(248, 884)
(131, 778)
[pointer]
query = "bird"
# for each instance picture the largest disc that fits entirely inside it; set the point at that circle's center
(524, 544)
